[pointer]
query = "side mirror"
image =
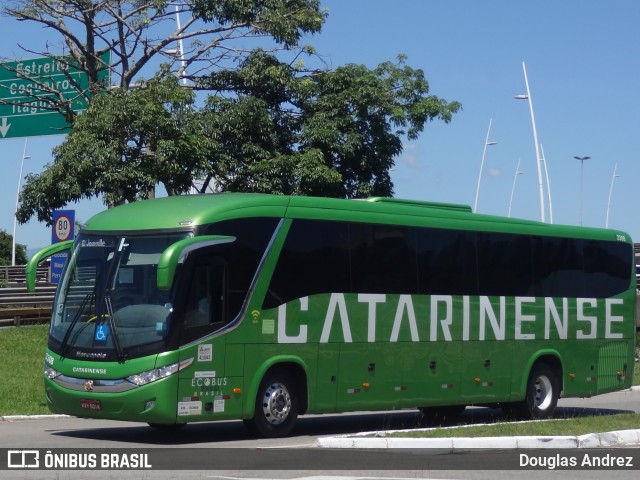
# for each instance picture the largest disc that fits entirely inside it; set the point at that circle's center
(34, 261)
(177, 253)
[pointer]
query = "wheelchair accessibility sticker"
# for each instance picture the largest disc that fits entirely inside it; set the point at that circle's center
(102, 333)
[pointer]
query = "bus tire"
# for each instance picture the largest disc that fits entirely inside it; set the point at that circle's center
(541, 396)
(442, 415)
(277, 405)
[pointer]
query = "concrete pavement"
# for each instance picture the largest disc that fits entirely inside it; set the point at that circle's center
(379, 439)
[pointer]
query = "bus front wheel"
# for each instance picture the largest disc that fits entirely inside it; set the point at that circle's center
(277, 405)
(541, 397)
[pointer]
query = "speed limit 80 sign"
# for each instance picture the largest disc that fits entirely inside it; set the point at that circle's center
(62, 230)
(63, 221)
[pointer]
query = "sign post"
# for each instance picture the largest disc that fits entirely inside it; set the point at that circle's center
(26, 86)
(62, 230)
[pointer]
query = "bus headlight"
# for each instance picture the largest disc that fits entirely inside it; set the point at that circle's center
(50, 373)
(149, 376)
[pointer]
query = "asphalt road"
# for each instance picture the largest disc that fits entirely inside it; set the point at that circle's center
(201, 446)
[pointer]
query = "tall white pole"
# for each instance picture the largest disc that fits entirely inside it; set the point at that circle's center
(581, 160)
(484, 152)
(615, 169)
(15, 220)
(181, 48)
(513, 188)
(535, 141)
(546, 174)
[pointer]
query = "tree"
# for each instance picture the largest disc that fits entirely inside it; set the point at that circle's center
(135, 32)
(333, 133)
(126, 143)
(268, 124)
(6, 247)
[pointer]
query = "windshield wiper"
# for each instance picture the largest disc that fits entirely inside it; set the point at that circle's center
(65, 340)
(120, 353)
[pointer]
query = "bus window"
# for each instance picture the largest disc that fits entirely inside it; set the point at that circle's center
(243, 256)
(504, 264)
(314, 259)
(383, 259)
(446, 262)
(606, 268)
(205, 300)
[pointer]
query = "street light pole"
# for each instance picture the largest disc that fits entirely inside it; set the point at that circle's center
(15, 220)
(546, 174)
(183, 64)
(484, 152)
(615, 175)
(535, 141)
(513, 188)
(581, 160)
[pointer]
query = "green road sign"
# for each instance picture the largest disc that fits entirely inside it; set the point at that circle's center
(25, 86)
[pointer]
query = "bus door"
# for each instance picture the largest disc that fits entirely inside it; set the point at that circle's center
(205, 387)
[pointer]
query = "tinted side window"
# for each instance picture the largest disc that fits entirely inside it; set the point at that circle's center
(504, 264)
(205, 304)
(446, 262)
(383, 259)
(243, 256)
(558, 267)
(324, 257)
(314, 259)
(607, 267)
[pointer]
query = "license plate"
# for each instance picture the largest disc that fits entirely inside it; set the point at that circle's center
(91, 404)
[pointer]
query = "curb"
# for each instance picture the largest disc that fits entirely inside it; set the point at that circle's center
(591, 440)
(21, 418)
(377, 440)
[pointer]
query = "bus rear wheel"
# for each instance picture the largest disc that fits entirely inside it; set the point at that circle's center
(541, 396)
(277, 405)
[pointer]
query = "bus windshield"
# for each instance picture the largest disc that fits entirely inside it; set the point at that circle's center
(108, 303)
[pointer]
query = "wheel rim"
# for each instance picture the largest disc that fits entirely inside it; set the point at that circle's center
(542, 393)
(277, 403)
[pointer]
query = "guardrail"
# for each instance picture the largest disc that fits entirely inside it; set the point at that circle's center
(15, 275)
(19, 307)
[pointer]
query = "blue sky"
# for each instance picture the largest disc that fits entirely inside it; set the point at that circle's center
(583, 64)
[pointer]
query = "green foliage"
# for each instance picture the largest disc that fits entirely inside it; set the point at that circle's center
(126, 144)
(6, 245)
(354, 117)
(284, 21)
(267, 125)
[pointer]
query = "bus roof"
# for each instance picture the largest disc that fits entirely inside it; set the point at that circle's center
(189, 211)
(186, 211)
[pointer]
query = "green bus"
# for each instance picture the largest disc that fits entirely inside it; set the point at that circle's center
(266, 307)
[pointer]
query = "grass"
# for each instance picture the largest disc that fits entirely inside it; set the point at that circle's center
(568, 426)
(21, 392)
(21, 361)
